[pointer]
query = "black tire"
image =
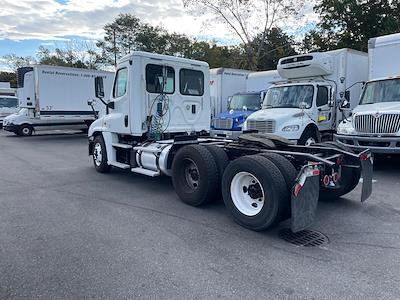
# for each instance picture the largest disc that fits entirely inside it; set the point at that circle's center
(222, 161)
(350, 177)
(101, 165)
(308, 134)
(195, 175)
(272, 183)
(25, 130)
(289, 173)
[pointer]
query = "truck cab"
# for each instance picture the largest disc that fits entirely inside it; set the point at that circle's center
(241, 105)
(298, 111)
(375, 122)
(8, 106)
(304, 107)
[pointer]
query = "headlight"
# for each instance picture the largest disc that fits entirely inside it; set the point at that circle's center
(244, 126)
(291, 128)
(345, 128)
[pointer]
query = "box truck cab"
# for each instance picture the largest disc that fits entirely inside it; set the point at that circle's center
(157, 121)
(53, 97)
(8, 106)
(305, 106)
(375, 122)
(241, 105)
(224, 82)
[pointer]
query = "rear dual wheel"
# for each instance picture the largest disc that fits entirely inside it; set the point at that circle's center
(255, 192)
(195, 175)
(349, 178)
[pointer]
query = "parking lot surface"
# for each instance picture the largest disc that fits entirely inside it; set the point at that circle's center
(67, 231)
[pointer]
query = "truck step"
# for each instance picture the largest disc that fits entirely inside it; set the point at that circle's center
(146, 172)
(120, 145)
(119, 165)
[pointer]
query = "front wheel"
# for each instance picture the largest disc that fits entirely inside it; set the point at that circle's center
(254, 192)
(308, 137)
(100, 155)
(25, 130)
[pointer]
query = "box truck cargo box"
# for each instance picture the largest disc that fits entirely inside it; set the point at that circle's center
(53, 97)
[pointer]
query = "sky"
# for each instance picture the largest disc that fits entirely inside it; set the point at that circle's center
(27, 24)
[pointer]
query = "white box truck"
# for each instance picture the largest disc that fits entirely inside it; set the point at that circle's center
(241, 105)
(224, 82)
(261, 81)
(157, 122)
(53, 97)
(7, 90)
(375, 122)
(8, 106)
(305, 107)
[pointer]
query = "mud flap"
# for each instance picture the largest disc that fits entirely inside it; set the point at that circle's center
(305, 194)
(366, 173)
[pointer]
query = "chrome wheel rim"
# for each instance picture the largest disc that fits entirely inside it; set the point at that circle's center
(310, 141)
(97, 154)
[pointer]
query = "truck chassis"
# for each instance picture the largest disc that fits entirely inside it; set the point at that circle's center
(263, 179)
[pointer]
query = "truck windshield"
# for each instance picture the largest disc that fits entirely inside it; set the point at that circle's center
(250, 102)
(294, 96)
(381, 91)
(8, 102)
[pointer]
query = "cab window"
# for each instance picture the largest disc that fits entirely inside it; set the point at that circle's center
(191, 82)
(8, 102)
(121, 82)
(157, 77)
(322, 96)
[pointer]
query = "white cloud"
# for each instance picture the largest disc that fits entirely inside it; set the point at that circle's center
(51, 20)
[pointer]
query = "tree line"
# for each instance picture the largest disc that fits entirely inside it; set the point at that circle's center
(342, 23)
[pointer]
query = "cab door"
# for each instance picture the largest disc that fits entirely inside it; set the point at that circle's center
(325, 110)
(119, 116)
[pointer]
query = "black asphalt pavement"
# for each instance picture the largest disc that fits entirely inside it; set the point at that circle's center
(68, 232)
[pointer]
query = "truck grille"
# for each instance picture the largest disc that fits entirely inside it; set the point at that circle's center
(223, 123)
(267, 126)
(384, 123)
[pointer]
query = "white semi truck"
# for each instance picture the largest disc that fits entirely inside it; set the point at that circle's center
(53, 97)
(157, 121)
(375, 122)
(305, 107)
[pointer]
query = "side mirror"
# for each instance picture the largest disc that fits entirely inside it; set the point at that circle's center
(229, 99)
(262, 96)
(345, 104)
(99, 87)
(347, 96)
(91, 102)
(303, 105)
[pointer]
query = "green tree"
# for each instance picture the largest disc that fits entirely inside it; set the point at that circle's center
(239, 17)
(14, 61)
(277, 44)
(120, 38)
(350, 23)
(9, 77)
